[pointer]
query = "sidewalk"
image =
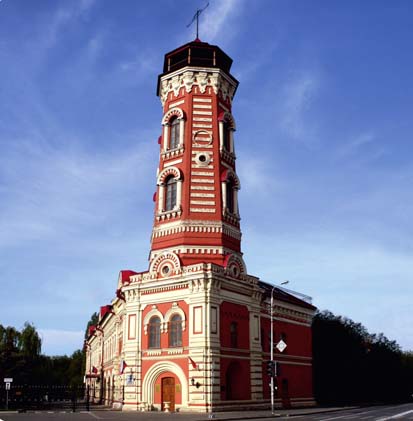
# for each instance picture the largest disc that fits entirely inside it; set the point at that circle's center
(250, 415)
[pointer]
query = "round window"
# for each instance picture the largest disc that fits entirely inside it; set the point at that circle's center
(203, 158)
(165, 270)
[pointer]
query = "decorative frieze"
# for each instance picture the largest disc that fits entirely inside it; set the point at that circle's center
(196, 226)
(185, 79)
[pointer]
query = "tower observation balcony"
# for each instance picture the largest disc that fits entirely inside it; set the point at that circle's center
(196, 54)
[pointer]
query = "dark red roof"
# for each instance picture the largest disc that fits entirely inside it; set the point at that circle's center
(104, 310)
(92, 330)
(125, 275)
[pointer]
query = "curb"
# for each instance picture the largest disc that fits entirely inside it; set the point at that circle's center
(279, 415)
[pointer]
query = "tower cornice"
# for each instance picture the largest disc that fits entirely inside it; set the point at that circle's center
(188, 77)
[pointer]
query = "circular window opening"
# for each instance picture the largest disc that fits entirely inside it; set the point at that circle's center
(165, 270)
(235, 271)
(203, 158)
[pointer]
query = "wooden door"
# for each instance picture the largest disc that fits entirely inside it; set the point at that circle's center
(168, 392)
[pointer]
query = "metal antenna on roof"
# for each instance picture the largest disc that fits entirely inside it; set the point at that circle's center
(196, 17)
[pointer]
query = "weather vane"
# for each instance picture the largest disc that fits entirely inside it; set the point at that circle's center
(196, 17)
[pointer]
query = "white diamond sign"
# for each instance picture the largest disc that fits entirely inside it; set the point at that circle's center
(281, 346)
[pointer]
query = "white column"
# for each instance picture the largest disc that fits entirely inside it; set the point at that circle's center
(165, 137)
(221, 135)
(161, 193)
(178, 193)
(231, 140)
(236, 210)
(181, 132)
(224, 195)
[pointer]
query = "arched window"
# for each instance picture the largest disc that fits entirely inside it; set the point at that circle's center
(230, 196)
(227, 139)
(170, 196)
(175, 331)
(154, 332)
(173, 133)
(234, 334)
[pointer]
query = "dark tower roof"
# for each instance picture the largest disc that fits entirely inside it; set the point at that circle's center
(197, 54)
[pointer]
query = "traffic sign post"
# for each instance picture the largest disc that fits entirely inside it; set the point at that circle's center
(7, 381)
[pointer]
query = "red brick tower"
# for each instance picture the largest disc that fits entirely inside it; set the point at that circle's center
(196, 213)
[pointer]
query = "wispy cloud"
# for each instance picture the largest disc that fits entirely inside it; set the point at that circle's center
(297, 99)
(63, 16)
(58, 188)
(215, 21)
(362, 148)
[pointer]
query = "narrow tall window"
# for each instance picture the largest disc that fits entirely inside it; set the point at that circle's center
(230, 196)
(175, 331)
(226, 140)
(154, 332)
(170, 196)
(234, 334)
(173, 133)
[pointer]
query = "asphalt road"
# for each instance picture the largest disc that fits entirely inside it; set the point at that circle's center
(374, 413)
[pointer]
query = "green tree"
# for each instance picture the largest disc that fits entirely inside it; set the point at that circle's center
(353, 366)
(94, 319)
(29, 342)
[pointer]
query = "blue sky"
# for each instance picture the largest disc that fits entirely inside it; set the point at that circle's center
(323, 141)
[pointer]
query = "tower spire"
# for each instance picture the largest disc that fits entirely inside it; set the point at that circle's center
(196, 17)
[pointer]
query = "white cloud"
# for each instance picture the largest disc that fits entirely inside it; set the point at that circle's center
(63, 190)
(62, 17)
(216, 20)
(57, 342)
(298, 97)
(257, 175)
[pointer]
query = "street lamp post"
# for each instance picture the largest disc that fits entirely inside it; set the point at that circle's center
(272, 342)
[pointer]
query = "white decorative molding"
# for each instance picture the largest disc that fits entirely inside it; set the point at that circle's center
(170, 163)
(175, 309)
(235, 266)
(202, 137)
(176, 103)
(173, 112)
(167, 259)
(173, 228)
(202, 210)
(176, 172)
(152, 313)
(197, 99)
(188, 77)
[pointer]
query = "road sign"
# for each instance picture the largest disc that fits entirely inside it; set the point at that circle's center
(281, 345)
(7, 386)
(8, 380)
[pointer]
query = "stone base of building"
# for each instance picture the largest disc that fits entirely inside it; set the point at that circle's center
(224, 406)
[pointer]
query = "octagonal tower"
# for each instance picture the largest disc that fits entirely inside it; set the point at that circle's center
(196, 210)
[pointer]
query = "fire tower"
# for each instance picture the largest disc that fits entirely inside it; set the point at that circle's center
(197, 215)
(191, 333)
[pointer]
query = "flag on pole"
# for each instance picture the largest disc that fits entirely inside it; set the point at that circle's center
(122, 367)
(193, 363)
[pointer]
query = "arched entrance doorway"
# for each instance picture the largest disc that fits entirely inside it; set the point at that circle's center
(154, 386)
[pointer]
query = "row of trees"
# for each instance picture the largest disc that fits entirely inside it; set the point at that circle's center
(21, 359)
(351, 365)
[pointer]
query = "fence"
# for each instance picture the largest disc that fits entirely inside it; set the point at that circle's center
(43, 397)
